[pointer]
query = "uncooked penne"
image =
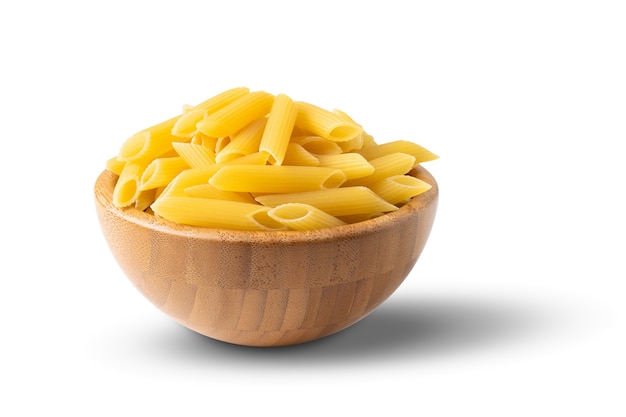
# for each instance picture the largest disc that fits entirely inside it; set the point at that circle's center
(420, 153)
(149, 143)
(324, 123)
(223, 214)
(276, 179)
(297, 155)
(352, 164)
(195, 155)
(385, 166)
(127, 187)
(399, 188)
(343, 201)
(244, 142)
(279, 127)
(161, 171)
(237, 114)
(297, 216)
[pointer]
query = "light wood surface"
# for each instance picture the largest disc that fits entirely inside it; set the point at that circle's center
(266, 288)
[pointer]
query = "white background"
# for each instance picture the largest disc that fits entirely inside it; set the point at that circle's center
(516, 307)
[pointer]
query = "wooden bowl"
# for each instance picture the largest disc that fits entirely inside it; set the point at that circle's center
(267, 288)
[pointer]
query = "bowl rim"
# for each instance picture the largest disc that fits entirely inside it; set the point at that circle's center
(103, 192)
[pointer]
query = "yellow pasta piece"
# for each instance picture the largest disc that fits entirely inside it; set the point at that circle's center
(342, 201)
(195, 155)
(149, 143)
(115, 165)
(317, 145)
(385, 166)
(197, 176)
(161, 171)
(324, 123)
(399, 188)
(221, 214)
(297, 155)
(186, 125)
(352, 144)
(223, 99)
(297, 216)
(420, 153)
(352, 164)
(237, 114)
(145, 198)
(244, 142)
(276, 179)
(279, 127)
(126, 189)
(209, 191)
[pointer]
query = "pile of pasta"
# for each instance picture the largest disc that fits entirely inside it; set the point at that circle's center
(251, 160)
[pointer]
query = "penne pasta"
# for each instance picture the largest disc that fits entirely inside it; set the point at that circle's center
(222, 214)
(343, 201)
(256, 161)
(385, 166)
(297, 216)
(420, 153)
(199, 176)
(144, 199)
(161, 171)
(276, 179)
(352, 144)
(317, 145)
(297, 155)
(324, 123)
(352, 164)
(186, 125)
(209, 191)
(126, 189)
(195, 156)
(237, 114)
(399, 188)
(149, 143)
(279, 127)
(115, 165)
(244, 142)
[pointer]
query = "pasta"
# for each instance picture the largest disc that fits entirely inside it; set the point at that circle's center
(324, 123)
(244, 142)
(237, 114)
(352, 164)
(385, 166)
(396, 189)
(298, 216)
(208, 212)
(341, 201)
(276, 179)
(279, 128)
(194, 155)
(297, 155)
(161, 171)
(251, 160)
(149, 143)
(418, 152)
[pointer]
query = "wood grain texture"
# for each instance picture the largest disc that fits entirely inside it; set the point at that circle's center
(266, 288)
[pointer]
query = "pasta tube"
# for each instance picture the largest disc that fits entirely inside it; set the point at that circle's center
(324, 123)
(343, 201)
(278, 130)
(208, 212)
(276, 179)
(237, 114)
(297, 216)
